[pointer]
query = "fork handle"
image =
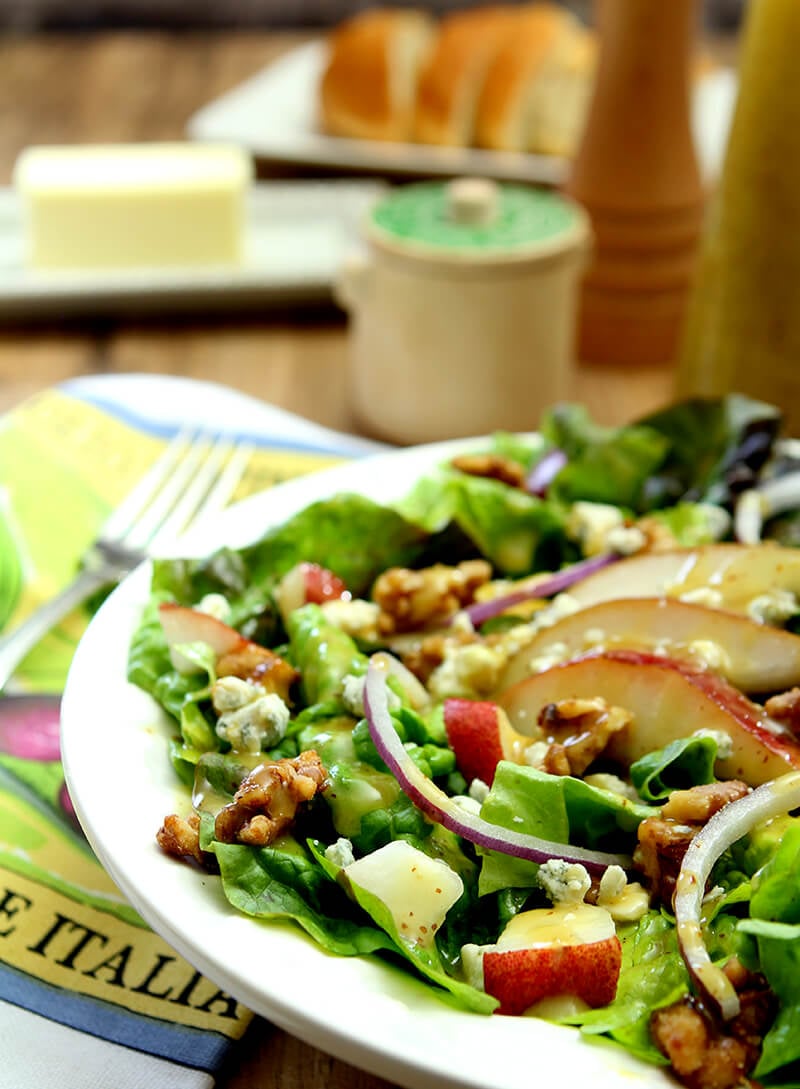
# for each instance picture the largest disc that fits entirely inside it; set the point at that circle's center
(21, 640)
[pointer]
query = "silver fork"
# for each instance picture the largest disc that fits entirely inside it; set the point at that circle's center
(193, 479)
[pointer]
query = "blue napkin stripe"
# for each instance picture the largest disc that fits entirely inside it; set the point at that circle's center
(201, 1049)
(258, 439)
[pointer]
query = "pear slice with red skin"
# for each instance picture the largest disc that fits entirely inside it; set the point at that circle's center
(308, 583)
(184, 625)
(480, 735)
(738, 573)
(564, 950)
(668, 699)
(756, 657)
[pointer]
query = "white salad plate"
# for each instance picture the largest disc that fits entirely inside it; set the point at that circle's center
(274, 115)
(296, 236)
(362, 1010)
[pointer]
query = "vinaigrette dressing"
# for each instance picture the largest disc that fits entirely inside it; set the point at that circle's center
(743, 327)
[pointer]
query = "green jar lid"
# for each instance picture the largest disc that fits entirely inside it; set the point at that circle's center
(471, 218)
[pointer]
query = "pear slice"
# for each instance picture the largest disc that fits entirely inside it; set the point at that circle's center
(752, 656)
(735, 574)
(569, 949)
(668, 699)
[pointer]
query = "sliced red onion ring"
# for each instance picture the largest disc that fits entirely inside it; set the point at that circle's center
(756, 505)
(545, 471)
(547, 587)
(728, 825)
(436, 805)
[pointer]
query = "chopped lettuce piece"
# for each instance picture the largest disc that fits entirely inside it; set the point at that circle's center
(684, 763)
(605, 465)
(283, 882)
(515, 531)
(554, 807)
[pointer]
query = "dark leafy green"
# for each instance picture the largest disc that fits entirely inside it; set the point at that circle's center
(605, 465)
(716, 447)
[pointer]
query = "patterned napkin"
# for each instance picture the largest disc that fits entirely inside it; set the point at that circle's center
(90, 997)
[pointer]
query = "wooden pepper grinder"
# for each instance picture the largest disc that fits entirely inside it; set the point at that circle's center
(637, 174)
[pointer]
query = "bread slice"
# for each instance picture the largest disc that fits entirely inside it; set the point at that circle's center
(560, 104)
(537, 83)
(452, 76)
(368, 88)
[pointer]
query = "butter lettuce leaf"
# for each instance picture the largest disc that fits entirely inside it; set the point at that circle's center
(684, 763)
(554, 807)
(283, 882)
(517, 532)
(424, 958)
(775, 923)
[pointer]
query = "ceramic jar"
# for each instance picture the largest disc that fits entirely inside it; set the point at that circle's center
(462, 305)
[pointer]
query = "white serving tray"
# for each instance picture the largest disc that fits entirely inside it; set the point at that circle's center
(296, 236)
(274, 116)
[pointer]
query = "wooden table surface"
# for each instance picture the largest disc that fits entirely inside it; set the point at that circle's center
(142, 86)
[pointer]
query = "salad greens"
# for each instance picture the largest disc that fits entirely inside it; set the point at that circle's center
(684, 467)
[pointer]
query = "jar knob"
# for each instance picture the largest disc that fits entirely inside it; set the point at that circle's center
(472, 201)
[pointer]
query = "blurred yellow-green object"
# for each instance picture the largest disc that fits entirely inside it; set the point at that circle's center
(10, 564)
(743, 326)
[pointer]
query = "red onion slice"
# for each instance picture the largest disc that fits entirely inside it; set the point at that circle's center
(553, 584)
(727, 826)
(443, 810)
(544, 472)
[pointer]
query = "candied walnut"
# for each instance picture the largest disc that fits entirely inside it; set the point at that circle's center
(266, 803)
(492, 466)
(582, 728)
(422, 599)
(427, 654)
(663, 840)
(556, 760)
(658, 537)
(259, 665)
(659, 853)
(785, 708)
(180, 836)
(705, 1055)
(697, 804)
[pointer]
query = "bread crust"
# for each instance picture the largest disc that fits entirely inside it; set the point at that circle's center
(361, 93)
(451, 79)
(542, 30)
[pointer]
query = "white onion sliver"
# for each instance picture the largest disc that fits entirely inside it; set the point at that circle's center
(748, 517)
(755, 505)
(443, 810)
(724, 829)
(547, 587)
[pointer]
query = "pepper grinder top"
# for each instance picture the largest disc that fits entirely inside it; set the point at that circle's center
(637, 174)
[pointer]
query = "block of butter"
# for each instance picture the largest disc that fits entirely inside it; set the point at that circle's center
(156, 205)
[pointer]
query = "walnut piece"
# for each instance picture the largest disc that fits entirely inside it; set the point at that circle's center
(663, 840)
(266, 803)
(409, 599)
(259, 665)
(491, 466)
(785, 708)
(705, 1055)
(697, 804)
(180, 837)
(578, 731)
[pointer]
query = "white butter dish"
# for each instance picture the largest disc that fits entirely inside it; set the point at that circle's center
(295, 237)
